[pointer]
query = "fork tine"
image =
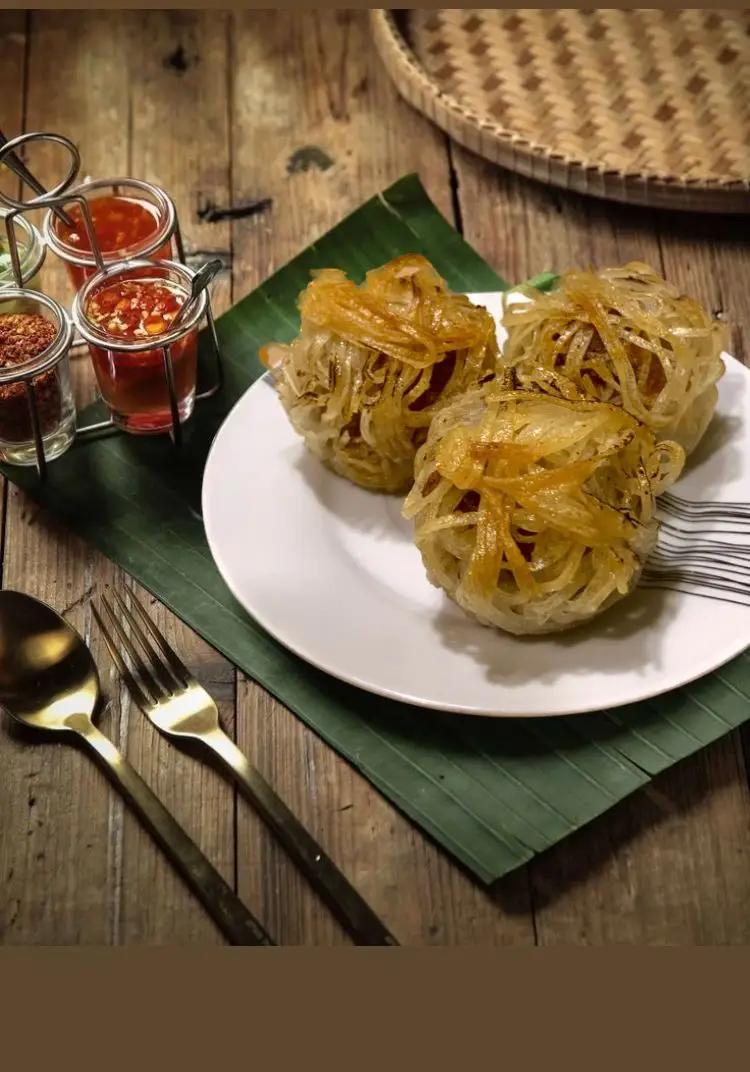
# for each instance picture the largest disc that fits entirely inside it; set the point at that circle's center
(156, 690)
(176, 665)
(156, 666)
(691, 507)
(122, 668)
(679, 585)
(693, 554)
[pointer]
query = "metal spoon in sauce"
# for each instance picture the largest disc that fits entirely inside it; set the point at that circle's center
(49, 681)
(202, 279)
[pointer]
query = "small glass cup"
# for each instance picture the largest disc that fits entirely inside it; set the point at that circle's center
(31, 250)
(160, 244)
(38, 391)
(134, 374)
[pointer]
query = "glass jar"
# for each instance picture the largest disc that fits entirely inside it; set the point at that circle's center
(35, 387)
(136, 357)
(131, 218)
(31, 250)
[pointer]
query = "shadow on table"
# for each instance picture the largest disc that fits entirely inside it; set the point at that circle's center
(708, 227)
(513, 662)
(590, 852)
(673, 224)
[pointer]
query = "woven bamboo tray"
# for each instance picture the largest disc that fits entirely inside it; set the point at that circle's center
(644, 106)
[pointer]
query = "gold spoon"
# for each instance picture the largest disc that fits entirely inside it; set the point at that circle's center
(48, 680)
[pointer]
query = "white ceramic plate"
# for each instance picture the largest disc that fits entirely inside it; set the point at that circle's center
(331, 572)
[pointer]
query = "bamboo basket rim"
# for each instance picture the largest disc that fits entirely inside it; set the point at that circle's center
(513, 150)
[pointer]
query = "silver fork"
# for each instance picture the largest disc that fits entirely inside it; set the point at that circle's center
(691, 555)
(174, 701)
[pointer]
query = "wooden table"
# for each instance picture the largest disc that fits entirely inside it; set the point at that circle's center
(268, 128)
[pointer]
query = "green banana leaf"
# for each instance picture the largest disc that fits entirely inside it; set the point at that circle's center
(493, 792)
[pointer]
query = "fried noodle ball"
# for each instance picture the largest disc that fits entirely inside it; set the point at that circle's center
(625, 336)
(534, 513)
(372, 364)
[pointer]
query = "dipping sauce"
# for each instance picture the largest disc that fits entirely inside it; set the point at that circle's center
(123, 227)
(133, 382)
(119, 222)
(135, 308)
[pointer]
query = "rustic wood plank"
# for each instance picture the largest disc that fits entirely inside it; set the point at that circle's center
(671, 864)
(59, 849)
(32, 773)
(13, 44)
(70, 884)
(177, 104)
(180, 125)
(22, 868)
(69, 895)
(710, 256)
(90, 873)
(318, 129)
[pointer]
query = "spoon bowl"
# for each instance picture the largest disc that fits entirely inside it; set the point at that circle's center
(47, 674)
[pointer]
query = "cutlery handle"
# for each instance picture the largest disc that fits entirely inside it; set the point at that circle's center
(335, 889)
(221, 902)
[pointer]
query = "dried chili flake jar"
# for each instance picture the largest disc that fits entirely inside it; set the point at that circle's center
(35, 388)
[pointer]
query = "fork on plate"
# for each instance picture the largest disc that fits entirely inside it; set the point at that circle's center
(703, 548)
(178, 705)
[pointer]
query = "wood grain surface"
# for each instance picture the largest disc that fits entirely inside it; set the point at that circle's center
(267, 128)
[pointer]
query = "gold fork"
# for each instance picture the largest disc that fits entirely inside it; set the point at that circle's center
(174, 701)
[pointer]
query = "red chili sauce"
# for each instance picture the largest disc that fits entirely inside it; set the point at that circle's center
(133, 384)
(122, 225)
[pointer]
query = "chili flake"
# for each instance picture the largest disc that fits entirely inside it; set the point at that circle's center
(23, 336)
(135, 308)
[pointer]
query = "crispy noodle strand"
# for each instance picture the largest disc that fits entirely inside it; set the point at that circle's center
(535, 513)
(624, 336)
(373, 363)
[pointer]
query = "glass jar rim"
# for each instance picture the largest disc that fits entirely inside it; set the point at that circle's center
(53, 353)
(92, 334)
(167, 224)
(31, 253)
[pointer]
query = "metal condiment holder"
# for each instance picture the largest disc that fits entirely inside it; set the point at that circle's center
(55, 199)
(189, 321)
